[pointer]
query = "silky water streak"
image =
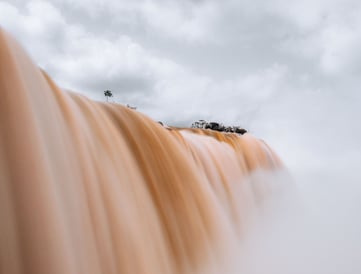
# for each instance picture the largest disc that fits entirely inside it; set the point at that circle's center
(91, 187)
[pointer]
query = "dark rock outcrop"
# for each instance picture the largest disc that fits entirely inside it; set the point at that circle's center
(218, 127)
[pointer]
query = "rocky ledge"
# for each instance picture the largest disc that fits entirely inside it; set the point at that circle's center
(218, 127)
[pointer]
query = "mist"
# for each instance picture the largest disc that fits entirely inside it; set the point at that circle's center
(311, 229)
(314, 225)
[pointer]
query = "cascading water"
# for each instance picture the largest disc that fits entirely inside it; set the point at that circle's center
(91, 187)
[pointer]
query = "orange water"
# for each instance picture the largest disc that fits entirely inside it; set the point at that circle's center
(91, 187)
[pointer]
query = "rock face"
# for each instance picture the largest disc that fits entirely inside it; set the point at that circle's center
(218, 127)
(199, 124)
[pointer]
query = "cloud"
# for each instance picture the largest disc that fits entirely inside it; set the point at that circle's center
(76, 57)
(288, 72)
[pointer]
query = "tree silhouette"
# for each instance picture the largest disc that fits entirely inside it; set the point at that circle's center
(108, 94)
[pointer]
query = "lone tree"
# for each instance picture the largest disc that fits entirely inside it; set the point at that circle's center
(108, 94)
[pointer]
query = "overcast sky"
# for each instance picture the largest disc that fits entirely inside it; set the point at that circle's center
(289, 71)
